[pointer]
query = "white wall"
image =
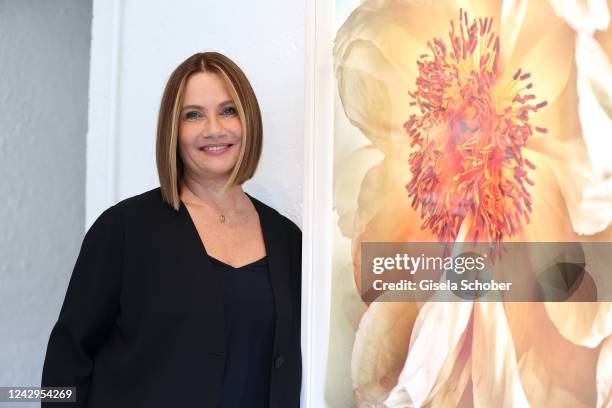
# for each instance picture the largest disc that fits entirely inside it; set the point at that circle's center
(135, 46)
(44, 62)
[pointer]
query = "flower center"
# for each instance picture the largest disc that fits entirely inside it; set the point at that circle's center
(469, 133)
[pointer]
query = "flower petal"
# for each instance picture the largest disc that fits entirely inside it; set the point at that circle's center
(549, 219)
(582, 323)
(570, 165)
(554, 372)
(380, 349)
(539, 19)
(583, 15)
(549, 60)
(350, 173)
(450, 390)
(435, 343)
(454, 391)
(374, 96)
(595, 102)
(560, 117)
(604, 375)
(596, 205)
(604, 36)
(512, 15)
(494, 370)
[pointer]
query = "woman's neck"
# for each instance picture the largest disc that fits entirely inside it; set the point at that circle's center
(210, 192)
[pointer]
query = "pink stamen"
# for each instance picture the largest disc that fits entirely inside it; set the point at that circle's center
(474, 165)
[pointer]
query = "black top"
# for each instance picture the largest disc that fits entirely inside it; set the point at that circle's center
(249, 332)
(143, 323)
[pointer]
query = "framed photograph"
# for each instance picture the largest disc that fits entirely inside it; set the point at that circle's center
(446, 122)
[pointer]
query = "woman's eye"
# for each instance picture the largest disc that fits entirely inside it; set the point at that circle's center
(192, 115)
(229, 111)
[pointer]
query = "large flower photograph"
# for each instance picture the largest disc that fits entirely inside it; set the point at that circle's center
(472, 120)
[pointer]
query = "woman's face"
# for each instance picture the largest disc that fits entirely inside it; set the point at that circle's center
(210, 132)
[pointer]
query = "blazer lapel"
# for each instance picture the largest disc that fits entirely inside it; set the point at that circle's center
(277, 253)
(196, 261)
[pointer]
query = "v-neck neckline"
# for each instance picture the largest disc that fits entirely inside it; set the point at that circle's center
(228, 266)
(278, 260)
(194, 229)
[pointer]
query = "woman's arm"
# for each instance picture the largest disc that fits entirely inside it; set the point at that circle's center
(89, 310)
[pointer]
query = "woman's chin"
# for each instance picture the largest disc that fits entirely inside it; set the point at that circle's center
(220, 166)
(217, 172)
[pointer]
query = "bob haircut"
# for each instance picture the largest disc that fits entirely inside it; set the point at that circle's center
(169, 163)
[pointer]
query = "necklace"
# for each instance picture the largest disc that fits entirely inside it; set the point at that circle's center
(222, 218)
(221, 215)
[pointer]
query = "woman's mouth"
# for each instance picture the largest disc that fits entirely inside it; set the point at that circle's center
(216, 149)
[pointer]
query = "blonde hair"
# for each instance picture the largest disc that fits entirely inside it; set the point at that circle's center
(169, 164)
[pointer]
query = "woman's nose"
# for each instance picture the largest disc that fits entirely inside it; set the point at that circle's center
(213, 126)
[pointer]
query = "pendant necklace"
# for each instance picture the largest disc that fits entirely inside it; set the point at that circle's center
(221, 215)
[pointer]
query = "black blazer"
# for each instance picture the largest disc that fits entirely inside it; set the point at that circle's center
(142, 321)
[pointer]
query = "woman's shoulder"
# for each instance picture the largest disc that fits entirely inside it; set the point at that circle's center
(134, 209)
(150, 199)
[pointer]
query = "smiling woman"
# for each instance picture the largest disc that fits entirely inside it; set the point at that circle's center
(188, 294)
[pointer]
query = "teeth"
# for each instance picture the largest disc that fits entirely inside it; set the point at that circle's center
(215, 148)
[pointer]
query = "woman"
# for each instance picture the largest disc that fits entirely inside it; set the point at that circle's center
(187, 295)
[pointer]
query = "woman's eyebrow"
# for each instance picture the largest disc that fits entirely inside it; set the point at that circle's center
(192, 107)
(224, 103)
